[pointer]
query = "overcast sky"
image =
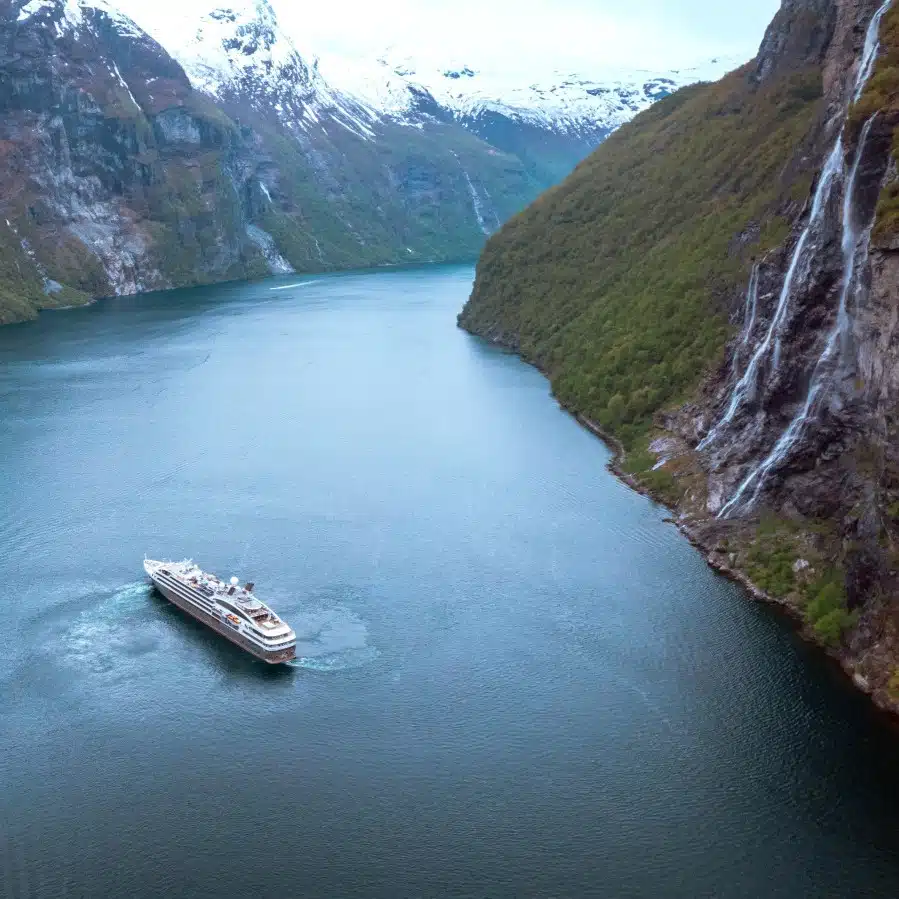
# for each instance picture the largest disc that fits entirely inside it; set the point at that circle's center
(653, 34)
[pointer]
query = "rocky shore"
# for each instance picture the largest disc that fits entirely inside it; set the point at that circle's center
(868, 662)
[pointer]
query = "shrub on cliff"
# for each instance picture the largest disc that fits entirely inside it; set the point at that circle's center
(826, 612)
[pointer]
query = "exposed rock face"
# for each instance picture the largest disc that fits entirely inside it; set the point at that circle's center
(119, 176)
(801, 33)
(801, 419)
(794, 402)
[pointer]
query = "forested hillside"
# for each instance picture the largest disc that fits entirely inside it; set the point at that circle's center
(619, 282)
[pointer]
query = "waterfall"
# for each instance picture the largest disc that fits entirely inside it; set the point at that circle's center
(277, 264)
(476, 205)
(747, 383)
(854, 245)
(851, 238)
(749, 312)
(869, 54)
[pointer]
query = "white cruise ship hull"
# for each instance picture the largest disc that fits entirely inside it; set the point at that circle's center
(178, 596)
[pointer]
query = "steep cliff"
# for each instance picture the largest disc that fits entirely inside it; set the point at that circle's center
(718, 286)
(117, 176)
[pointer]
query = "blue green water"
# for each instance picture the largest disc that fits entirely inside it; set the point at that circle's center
(517, 680)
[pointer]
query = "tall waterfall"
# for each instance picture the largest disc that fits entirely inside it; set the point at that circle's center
(869, 54)
(747, 384)
(854, 246)
(750, 311)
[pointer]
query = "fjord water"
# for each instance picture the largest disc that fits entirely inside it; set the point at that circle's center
(517, 679)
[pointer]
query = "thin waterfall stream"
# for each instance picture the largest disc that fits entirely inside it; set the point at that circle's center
(746, 385)
(854, 244)
(750, 313)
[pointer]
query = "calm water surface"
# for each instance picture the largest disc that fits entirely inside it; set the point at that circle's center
(517, 680)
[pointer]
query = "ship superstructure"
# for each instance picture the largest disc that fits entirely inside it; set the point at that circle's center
(231, 610)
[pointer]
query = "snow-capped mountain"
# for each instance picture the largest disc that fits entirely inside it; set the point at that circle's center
(241, 51)
(153, 149)
(549, 120)
(242, 45)
(393, 85)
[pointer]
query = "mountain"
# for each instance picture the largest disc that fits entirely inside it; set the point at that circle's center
(716, 287)
(552, 120)
(213, 148)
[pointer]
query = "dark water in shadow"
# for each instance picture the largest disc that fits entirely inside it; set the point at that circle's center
(517, 680)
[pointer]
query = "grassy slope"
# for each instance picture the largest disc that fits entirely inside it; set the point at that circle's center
(616, 282)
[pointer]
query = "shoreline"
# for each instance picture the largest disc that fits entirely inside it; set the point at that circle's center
(377, 267)
(880, 703)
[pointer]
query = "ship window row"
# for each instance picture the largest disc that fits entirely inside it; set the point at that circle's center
(259, 639)
(269, 646)
(183, 591)
(185, 594)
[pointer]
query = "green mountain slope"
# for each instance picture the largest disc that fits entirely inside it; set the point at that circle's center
(778, 449)
(618, 283)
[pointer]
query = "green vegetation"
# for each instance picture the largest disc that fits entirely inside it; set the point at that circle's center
(20, 283)
(640, 463)
(771, 557)
(617, 283)
(776, 546)
(826, 610)
(403, 198)
(893, 685)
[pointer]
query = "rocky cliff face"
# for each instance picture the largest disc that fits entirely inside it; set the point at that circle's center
(804, 387)
(118, 176)
(800, 419)
(785, 463)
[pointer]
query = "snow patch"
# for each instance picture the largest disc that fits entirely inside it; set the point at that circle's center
(71, 15)
(393, 86)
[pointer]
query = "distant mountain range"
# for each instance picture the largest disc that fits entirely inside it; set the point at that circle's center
(145, 152)
(553, 119)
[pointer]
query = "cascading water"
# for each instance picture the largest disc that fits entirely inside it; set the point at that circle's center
(869, 54)
(854, 244)
(747, 383)
(749, 315)
(852, 235)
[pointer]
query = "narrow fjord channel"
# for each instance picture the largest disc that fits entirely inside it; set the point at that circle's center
(518, 681)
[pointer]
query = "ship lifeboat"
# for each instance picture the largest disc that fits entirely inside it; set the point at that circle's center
(233, 619)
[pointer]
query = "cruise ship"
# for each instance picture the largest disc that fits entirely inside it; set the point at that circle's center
(231, 610)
